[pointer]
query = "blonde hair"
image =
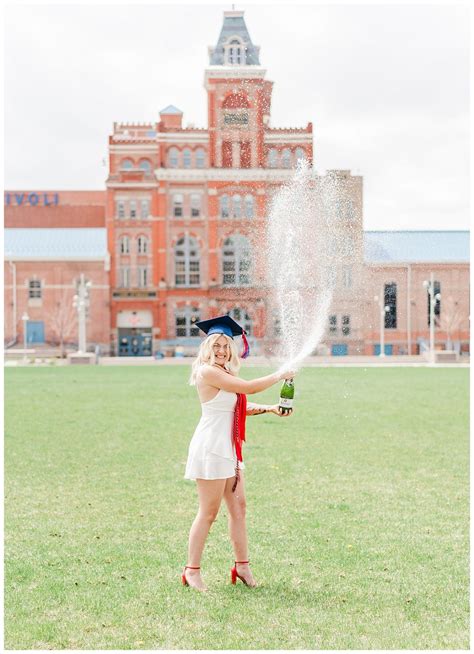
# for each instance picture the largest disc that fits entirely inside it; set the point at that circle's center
(206, 355)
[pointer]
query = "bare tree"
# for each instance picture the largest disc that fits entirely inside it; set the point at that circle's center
(63, 322)
(450, 319)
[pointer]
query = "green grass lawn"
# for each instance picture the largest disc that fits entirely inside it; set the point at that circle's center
(358, 512)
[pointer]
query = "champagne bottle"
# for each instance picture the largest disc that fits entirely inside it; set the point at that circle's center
(287, 394)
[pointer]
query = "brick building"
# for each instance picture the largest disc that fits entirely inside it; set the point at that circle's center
(177, 234)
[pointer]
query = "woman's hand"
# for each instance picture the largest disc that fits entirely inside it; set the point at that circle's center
(275, 408)
(287, 374)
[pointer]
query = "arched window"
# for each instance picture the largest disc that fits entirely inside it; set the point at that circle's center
(273, 158)
(178, 205)
(187, 262)
(173, 155)
(124, 245)
(145, 165)
(235, 52)
(299, 154)
(185, 322)
(224, 206)
(249, 206)
(236, 206)
(236, 261)
(126, 164)
(286, 158)
(243, 318)
(187, 158)
(195, 205)
(200, 158)
(142, 245)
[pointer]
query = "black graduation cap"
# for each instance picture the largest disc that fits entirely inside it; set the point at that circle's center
(224, 325)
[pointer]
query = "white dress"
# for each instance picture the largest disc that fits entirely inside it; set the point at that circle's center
(211, 450)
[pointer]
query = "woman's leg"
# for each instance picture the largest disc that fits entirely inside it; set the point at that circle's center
(236, 505)
(210, 492)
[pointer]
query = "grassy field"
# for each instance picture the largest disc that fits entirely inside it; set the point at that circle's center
(358, 511)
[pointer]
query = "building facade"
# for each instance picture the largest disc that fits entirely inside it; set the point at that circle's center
(176, 236)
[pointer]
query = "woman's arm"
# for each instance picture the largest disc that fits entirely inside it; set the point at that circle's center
(220, 379)
(258, 409)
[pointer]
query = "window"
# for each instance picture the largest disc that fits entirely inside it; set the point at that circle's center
(346, 325)
(332, 324)
(273, 158)
(177, 205)
(200, 158)
(142, 245)
(236, 206)
(142, 276)
(347, 276)
(187, 158)
(124, 245)
(243, 318)
(133, 209)
(120, 209)
(185, 322)
(437, 306)
(187, 265)
(126, 164)
(145, 165)
(245, 154)
(224, 206)
(276, 323)
(249, 206)
(173, 157)
(390, 300)
(331, 276)
(195, 205)
(236, 261)
(124, 277)
(299, 154)
(226, 154)
(144, 208)
(286, 158)
(234, 52)
(34, 288)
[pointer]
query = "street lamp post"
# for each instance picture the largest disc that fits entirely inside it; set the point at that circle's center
(80, 302)
(383, 310)
(434, 297)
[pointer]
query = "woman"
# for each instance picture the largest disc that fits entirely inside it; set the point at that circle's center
(215, 451)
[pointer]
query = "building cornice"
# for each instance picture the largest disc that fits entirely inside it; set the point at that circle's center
(298, 137)
(224, 174)
(130, 184)
(132, 147)
(16, 257)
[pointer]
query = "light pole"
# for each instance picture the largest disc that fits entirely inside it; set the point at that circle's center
(434, 297)
(383, 310)
(81, 302)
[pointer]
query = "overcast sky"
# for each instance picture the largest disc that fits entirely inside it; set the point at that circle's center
(385, 86)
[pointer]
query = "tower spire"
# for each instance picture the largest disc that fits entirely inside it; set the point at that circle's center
(234, 45)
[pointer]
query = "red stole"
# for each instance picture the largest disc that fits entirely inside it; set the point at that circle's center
(238, 431)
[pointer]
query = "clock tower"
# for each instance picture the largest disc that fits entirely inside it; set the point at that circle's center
(239, 98)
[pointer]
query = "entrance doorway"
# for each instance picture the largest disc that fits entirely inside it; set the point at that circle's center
(135, 342)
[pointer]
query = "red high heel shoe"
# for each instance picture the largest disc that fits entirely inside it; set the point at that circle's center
(183, 576)
(234, 574)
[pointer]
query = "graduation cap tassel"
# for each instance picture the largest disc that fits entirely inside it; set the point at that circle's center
(246, 350)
